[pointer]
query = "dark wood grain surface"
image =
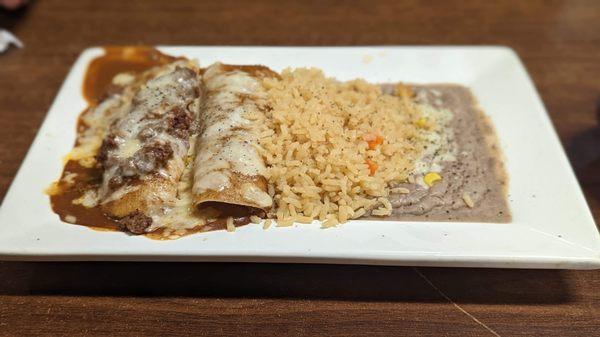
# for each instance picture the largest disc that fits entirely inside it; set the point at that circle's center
(559, 42)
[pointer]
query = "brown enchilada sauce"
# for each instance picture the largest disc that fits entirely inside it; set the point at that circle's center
(62, 203)
(101, 70)
(97, 83)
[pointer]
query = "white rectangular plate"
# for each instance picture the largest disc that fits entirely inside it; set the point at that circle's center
(552, 226)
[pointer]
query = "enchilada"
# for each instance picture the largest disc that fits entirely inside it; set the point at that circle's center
(227, 167)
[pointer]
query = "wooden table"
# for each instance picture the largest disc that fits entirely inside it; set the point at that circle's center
(559, 42)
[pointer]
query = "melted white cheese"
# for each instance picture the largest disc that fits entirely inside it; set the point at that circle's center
(227, 140)
(438, 138)
(129, 148)
(182, 215)
(254, 194)
(213, 180)
(123, 79)
(171, 88)
(89, 199)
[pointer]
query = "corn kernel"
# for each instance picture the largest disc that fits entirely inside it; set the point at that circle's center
(431, 178)
(422, 123)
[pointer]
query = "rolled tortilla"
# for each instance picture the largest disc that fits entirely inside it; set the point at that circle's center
(143, 155)
(228, 168)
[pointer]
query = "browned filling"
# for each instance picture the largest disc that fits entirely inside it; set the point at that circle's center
(135, 222)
